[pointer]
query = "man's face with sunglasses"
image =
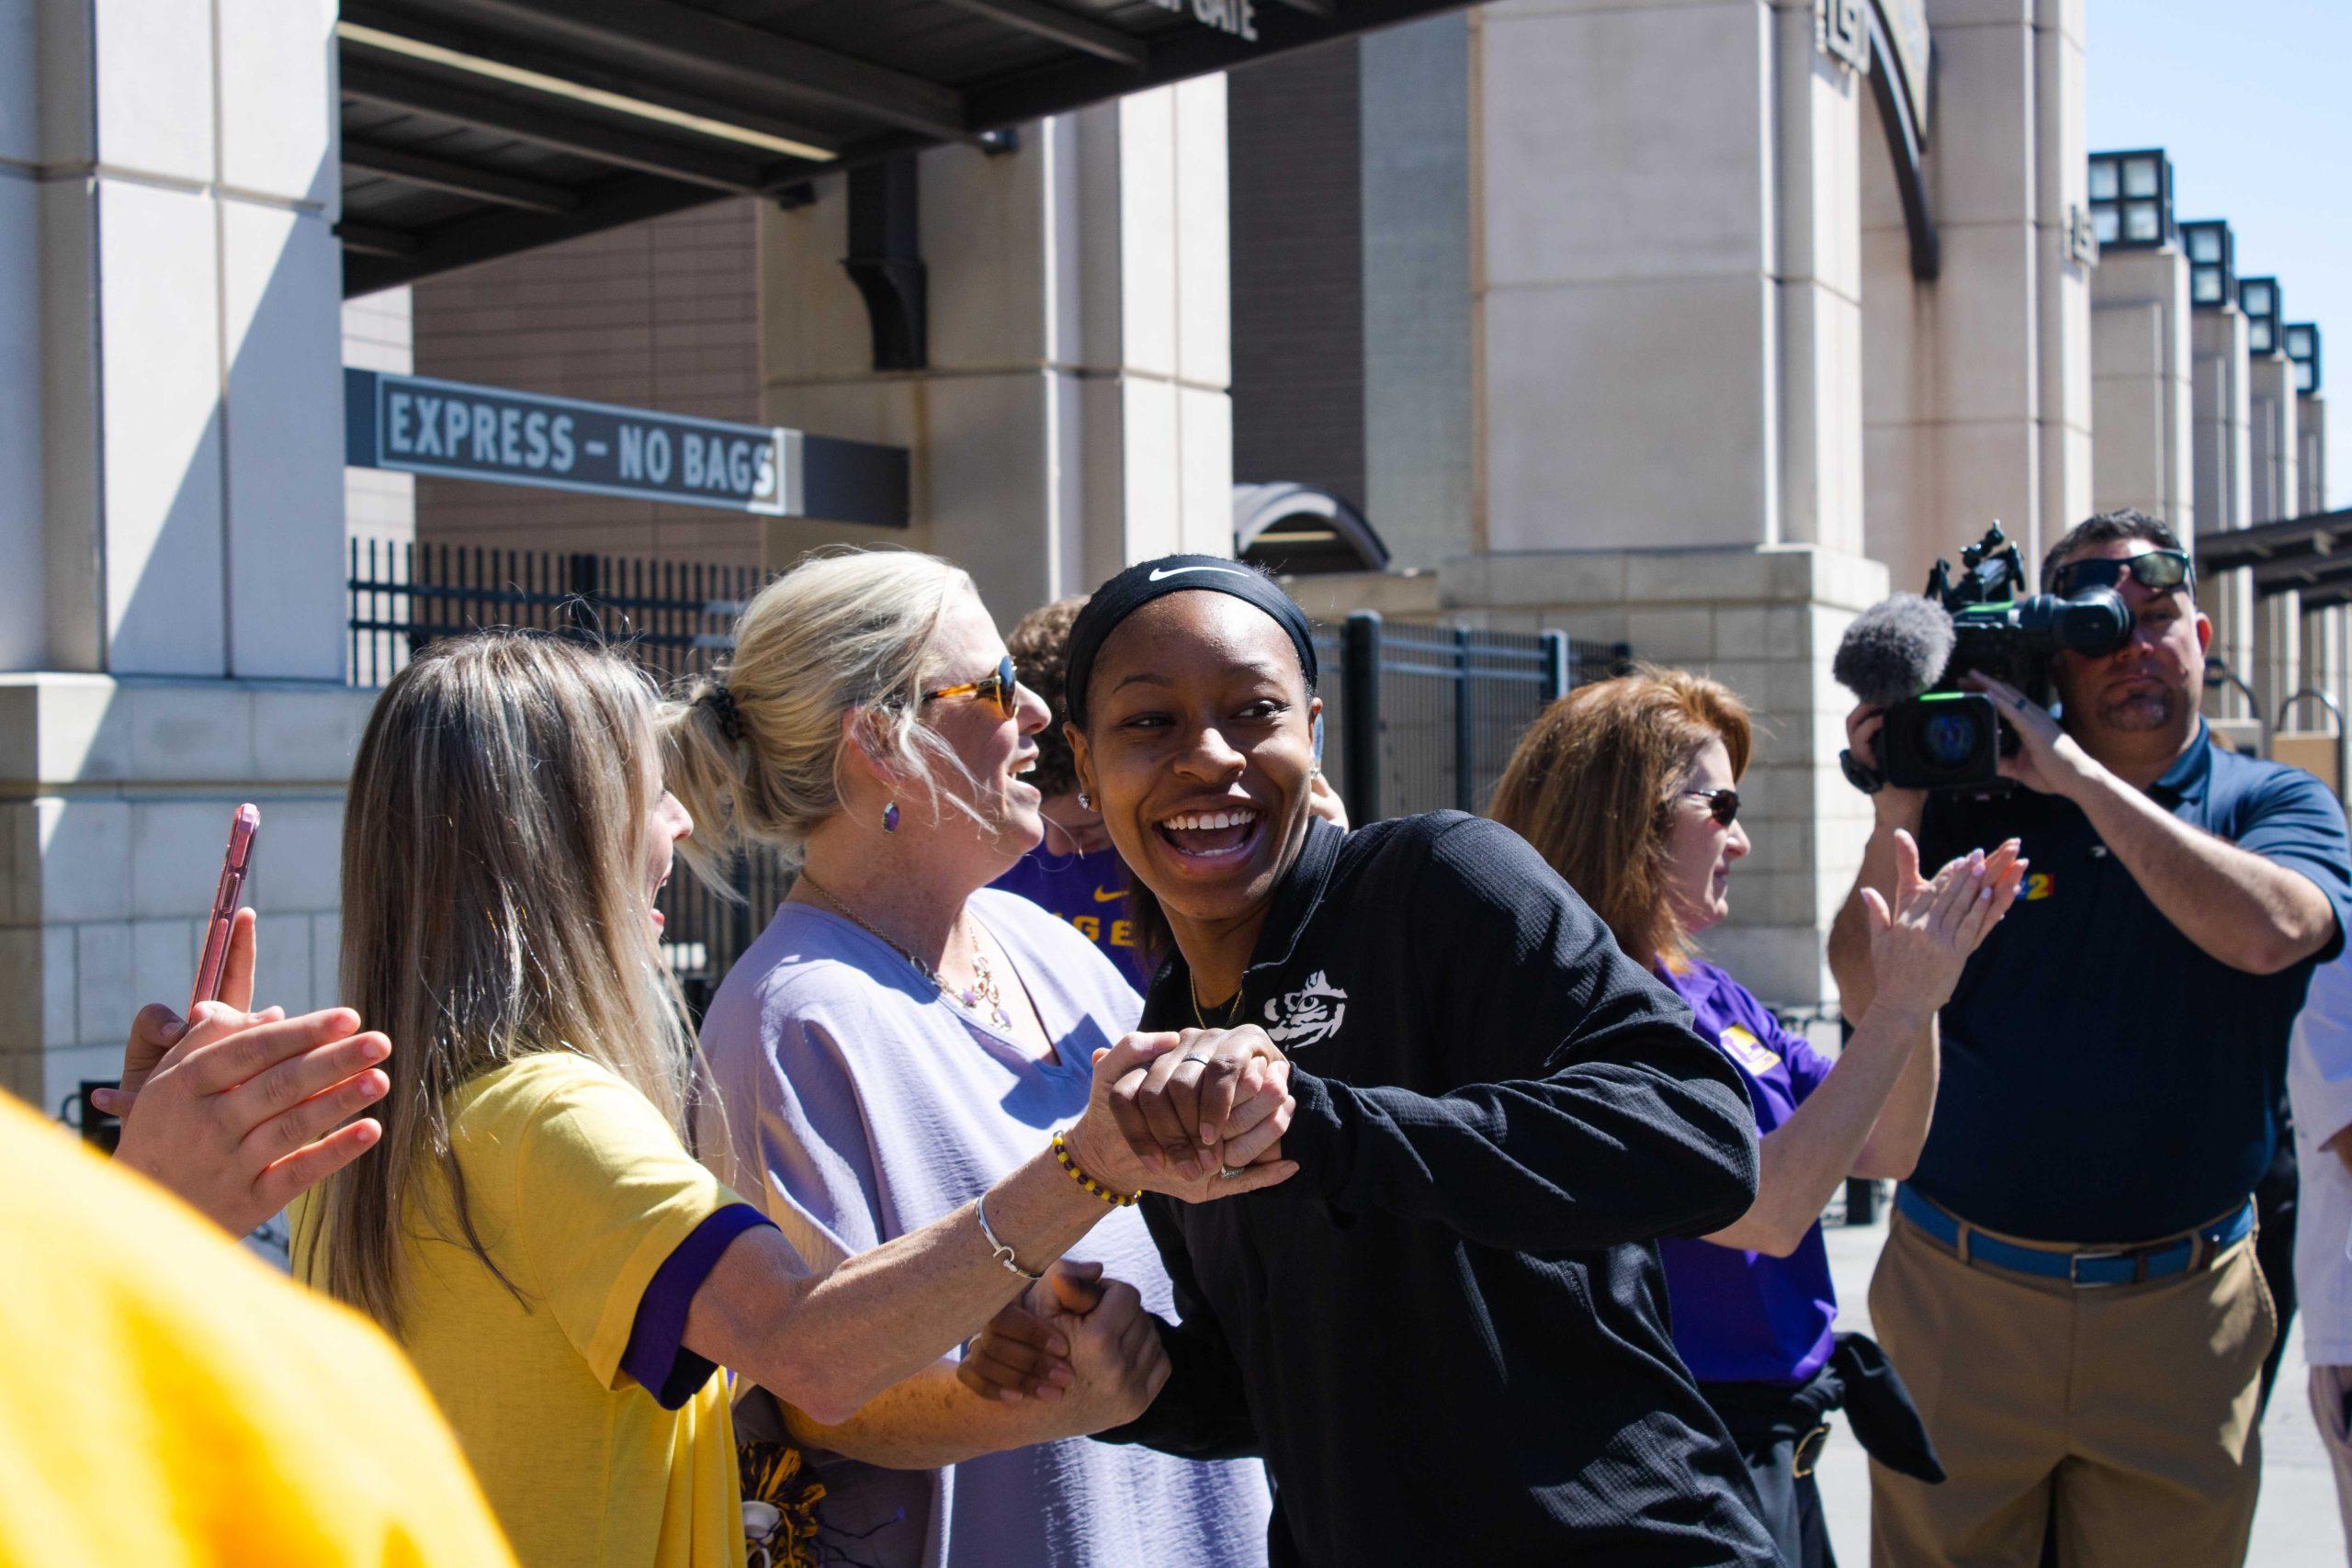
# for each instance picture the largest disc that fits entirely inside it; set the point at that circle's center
(2154, 680)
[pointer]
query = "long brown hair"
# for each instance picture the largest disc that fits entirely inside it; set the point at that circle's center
(493, 907)
(1586, 782)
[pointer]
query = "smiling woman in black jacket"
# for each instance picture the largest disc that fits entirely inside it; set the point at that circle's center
(1447, 1334)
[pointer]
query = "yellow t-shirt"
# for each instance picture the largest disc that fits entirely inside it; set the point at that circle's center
(168, 1399)
(579, 1191)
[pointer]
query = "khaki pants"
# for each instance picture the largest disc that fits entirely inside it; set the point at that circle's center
(2127, 1412)
(2329, 1386)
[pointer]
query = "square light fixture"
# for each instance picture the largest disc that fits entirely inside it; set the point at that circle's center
(2212, 263)
(2258, 297)
(2301, 341)
(2130, 197)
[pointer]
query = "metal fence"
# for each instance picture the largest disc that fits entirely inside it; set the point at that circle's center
(675, 618)
(1422, 718)
(1417, 717)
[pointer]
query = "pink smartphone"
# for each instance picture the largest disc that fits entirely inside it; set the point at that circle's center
(225, 899)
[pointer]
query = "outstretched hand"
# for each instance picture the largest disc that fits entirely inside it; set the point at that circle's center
(1920, 944)
(243, 1111)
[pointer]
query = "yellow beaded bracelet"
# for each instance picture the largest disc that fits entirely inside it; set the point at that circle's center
(1116, 1201)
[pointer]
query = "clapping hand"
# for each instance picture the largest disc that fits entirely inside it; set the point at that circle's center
(1197, 1114)
(239, 1112)
(1920, 942)
(1073, 1339)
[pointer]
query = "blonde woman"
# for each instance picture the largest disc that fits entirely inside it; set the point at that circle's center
(903, 1036)
(532, 1230)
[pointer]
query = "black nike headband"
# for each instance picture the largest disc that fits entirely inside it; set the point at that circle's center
(1140, 584)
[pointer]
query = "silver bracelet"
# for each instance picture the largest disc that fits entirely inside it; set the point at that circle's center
(1004, 1254)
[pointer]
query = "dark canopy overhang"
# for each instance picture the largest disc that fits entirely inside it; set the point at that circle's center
(2310, 555)
(475, 128)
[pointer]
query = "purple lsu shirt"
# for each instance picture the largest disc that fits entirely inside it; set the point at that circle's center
(1089, 891)
(1742, 1317)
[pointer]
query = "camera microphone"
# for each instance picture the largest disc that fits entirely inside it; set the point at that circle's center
(1894, 650)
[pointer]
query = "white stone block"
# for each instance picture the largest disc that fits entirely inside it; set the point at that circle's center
(1204, 430)
(283, 277)
(327, 957)
(19, 78)
(104, 1000)
(825, 334)
(305, 735)
(1204, 240)
(187, 730)
(153, 71)
(1150, 462)
(84, 859)
(160, 386)
(22, 563)
(175, 855)
(282, 969)
(163, 959)
(1629, 415)
(1675, 636)
(279, 122)
(990, 454)
(1633, 142)
(20, 988)
(989, 285)
(1145, 205)
(298, 860)
(60, 986)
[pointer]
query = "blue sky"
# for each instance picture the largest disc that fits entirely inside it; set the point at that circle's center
(2253, 99)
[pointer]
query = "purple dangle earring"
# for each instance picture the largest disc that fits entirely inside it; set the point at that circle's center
(890, 817)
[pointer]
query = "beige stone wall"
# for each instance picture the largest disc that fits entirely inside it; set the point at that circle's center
(662, 315)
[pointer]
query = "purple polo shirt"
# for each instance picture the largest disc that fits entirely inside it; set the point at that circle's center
(1089, 891)
(1742, 1317)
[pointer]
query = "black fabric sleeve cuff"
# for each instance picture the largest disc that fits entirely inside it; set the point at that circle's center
(1315, 1139)
(656, 1356)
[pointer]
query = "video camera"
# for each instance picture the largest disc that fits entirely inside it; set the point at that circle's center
(1908, 654)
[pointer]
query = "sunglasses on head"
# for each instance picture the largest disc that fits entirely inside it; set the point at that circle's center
(1000, 686)
(1723, 805)
(2157, 570)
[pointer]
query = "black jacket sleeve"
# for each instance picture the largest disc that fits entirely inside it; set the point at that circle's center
(1202, 1410)
(1589, 1114)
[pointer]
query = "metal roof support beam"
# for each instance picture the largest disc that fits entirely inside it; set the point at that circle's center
(457, 179)
(1312, 7)
(662, 32)
(371, 239)
(885, 260)
(1060, 27)
(545, 128)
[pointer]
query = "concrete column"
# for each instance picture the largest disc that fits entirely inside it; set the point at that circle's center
(2222, 410)
(1074, 415)
(1978, 382)
(1418, 360)
(168, 182)
(1666, 292)
(2141, 402)
(2310, 463)
(2273, 450)
(172, 618)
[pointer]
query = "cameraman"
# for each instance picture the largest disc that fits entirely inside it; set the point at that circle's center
(2069, 1286)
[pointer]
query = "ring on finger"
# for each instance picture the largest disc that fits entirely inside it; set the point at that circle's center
(1228, 1172)
(1201, 1055)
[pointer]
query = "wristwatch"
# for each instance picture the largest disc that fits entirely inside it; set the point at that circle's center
(1859, 774)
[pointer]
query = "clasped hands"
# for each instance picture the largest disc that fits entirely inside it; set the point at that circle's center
(1198, 1114)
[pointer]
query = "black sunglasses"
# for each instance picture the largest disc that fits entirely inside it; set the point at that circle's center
(2157, 570)
(1723, 805)
(1001, 687)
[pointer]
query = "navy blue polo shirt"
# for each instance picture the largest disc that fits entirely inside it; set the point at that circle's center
(2104, 1079)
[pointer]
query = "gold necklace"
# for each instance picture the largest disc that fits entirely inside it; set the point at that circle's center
(982, 992)
(1230, 1009)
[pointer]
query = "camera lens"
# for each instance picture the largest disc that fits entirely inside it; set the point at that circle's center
(1949, 739)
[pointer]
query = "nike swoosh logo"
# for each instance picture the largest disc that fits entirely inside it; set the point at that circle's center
(1231, 571)
(1112, 897)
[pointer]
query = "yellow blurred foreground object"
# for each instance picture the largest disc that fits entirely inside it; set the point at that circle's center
(166, 1399)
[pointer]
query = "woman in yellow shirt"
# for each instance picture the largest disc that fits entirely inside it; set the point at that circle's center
(565, 1275)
